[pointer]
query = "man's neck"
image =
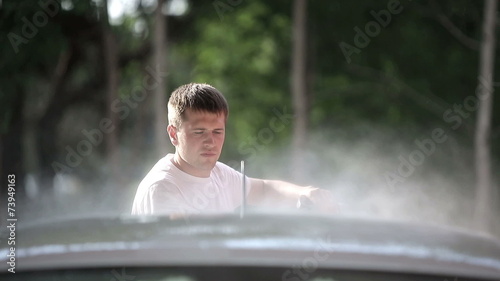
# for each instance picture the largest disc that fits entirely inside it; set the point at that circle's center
(187, 168)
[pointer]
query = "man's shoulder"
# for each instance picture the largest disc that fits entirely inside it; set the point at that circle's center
(164, 164)
(160, 174)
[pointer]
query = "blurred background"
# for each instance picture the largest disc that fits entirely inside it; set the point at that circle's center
(390, 104)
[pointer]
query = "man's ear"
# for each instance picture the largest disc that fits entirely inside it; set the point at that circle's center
(172, 134)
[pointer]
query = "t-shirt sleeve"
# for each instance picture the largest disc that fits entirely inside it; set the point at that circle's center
(166, 199)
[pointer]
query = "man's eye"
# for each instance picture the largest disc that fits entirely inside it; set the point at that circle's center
(218, 132)
(198, 132)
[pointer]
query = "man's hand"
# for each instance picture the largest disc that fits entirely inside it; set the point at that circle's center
(318, 199)
(281, 194)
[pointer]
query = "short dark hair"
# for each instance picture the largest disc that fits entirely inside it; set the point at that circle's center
(197, 97)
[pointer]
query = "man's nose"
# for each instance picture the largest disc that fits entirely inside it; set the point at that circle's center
(209, 138)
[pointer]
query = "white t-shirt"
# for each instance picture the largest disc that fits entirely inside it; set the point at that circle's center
(168, 190)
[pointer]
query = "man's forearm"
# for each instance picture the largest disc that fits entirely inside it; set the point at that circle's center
(279, 193)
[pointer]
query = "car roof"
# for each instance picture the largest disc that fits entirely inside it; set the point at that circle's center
(283, 240)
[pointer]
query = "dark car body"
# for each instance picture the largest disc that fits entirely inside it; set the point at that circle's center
(256, 247)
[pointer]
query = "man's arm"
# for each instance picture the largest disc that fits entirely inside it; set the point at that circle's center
(275, 193)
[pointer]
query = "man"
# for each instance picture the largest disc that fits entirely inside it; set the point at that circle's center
(192, 181)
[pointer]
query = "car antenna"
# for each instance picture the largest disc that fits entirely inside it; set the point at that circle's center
(244, 191)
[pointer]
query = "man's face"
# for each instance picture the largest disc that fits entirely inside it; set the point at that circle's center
(198, 142)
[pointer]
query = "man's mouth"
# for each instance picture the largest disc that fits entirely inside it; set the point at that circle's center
(208, 154)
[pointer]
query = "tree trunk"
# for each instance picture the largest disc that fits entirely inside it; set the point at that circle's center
(299, 89)
(484, 114)
(11, 150)
(111, 66)
(159, 61)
